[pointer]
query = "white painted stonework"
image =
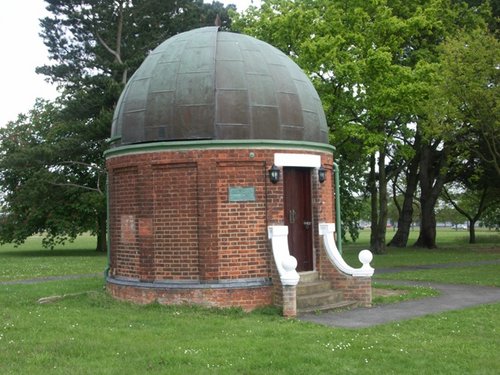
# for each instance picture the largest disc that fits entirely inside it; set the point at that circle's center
(297, 160)
(285, 263)
(365, 256)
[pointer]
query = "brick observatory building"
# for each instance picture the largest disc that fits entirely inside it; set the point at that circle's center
(219, 168)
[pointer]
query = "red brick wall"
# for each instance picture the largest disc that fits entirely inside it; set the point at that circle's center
(125, 258)
(175, 222)
(171, 219)
(246, 298)
(242, 227)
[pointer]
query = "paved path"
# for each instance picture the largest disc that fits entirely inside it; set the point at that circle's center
(452, 297)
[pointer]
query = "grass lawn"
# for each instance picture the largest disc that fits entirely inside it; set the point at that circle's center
(386, 293)
(485, 275)
(453, 246)
(30, 260)
(87, 332)
(93, 334)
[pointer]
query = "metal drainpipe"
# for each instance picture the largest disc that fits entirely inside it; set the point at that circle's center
(108, 240)
(338, 225)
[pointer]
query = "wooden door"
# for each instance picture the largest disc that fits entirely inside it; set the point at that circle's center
(298, 215)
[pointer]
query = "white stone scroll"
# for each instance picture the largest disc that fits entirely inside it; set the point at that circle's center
(365, 256)
(285, 263)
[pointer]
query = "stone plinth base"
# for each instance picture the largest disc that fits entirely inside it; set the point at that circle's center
(289, 301)
(357, 289)
(247, 298)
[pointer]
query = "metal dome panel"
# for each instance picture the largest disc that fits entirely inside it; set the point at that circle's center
(209, 84)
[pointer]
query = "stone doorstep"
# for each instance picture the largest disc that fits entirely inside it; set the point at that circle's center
(314, 287)
(343, 305)
(319, 299)
(317, 295)
(383, 292)
(308, 276)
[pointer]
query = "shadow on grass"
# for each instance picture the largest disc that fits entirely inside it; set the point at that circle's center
(51, 253)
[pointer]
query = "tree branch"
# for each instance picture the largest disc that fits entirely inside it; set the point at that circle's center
(108, 48)
(93, 166)
(455, 206)
(69, 184)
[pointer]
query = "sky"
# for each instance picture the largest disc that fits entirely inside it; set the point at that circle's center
(22, 50)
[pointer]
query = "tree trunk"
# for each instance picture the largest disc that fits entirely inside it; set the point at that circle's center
(102, 244)
(382, 199)
(427, 236)
(472, 231)
(432, 178)
(378, 204)
(472, 219)
(405, 219)
(372, 186)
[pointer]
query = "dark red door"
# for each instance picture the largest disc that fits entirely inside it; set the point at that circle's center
(298, 217)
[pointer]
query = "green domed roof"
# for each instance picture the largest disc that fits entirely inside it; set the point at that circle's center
(210, 84)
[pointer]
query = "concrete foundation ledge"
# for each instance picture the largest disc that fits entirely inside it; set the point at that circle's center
(181, 284)
(247, 297)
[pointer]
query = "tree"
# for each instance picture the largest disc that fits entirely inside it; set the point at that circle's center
(438, 21)
(491, 217)
(290, 26)
(52, 158)
(475, 189)
(472, 204)
(377, 68)
(348, 49)
(373, 64)
(406, 208)
(445, 213)
(470, 83)
(46, 191)
(89, 39)
(432, 179)
(461, 120)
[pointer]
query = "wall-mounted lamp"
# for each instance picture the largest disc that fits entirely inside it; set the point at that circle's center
(321, 174)
(274, 174)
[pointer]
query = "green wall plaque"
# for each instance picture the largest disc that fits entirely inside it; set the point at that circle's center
(242, 194)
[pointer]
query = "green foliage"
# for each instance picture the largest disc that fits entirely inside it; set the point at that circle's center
(467, 106)
(446, 213)
(374, 64)
(465, 114)
(491, 218)
(51, 160)
(472, 199)
(96, 39)
(48, 187)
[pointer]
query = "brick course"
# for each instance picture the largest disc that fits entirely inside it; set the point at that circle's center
(171, 220)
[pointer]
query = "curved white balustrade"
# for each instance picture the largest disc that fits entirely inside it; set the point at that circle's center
(286, 264)
(365, 256)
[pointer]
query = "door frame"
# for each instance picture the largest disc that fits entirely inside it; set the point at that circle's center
(298, 215)
(302, 161)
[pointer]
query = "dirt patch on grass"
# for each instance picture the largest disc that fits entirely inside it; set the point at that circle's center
(383, 292)
(489, 250)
